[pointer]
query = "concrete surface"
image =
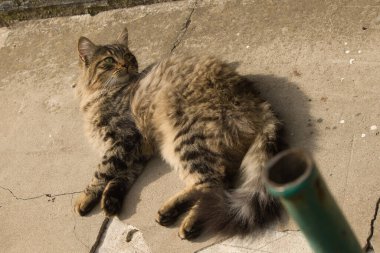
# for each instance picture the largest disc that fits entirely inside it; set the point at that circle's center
(317, 63)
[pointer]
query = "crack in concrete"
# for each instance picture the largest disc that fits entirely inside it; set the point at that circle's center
(184, 29)
(75, 225)
(272, 241)
(259, 249)
(211, 245)
(237, 246)
(47, 195)
(102, 230)
(368, 246)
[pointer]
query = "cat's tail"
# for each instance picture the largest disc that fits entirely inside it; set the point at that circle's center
(248, 206)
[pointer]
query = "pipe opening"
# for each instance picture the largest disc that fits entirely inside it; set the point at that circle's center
(288, 168)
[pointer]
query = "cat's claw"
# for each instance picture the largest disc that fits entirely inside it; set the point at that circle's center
(168, 218)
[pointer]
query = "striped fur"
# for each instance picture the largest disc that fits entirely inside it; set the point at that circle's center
(204, 119)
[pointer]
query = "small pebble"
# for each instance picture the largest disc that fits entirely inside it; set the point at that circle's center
(345, 43)
(347, 51)
(352, 61)
(341, 79)
(341, 121)
(363, 135)
(359, 51)
(373, 128)
(247, 46)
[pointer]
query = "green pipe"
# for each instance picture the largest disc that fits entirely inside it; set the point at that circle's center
(293, 177)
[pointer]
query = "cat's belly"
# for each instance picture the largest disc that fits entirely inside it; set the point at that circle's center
(167, 149)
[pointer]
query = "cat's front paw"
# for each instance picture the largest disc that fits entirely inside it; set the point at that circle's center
(112, 198)
(110, 205)
(85, 203)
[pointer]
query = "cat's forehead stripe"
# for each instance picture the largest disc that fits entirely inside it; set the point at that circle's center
(115, 49)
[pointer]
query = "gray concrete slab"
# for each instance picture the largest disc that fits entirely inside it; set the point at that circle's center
(315, 62)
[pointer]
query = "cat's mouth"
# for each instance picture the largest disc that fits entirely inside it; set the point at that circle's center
(122, 77)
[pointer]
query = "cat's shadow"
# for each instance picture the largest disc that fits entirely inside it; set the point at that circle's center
(292, 106)
(154, 169)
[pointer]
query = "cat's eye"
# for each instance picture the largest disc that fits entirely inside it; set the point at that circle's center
(109, 60)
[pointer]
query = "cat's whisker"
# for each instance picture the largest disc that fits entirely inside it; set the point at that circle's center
(109, 81)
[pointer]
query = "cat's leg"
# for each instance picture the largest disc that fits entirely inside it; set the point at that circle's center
(193, 223)
(177, 205)
(93, 192)
(110, 184)
(193, 199)
(116, 188)
(191, 226)
(121, 165)
(126, 161)
(190, 199)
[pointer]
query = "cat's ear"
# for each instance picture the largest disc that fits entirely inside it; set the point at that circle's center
(86, 49)
(123, 37)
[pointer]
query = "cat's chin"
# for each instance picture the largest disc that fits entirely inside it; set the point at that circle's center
(123, 79)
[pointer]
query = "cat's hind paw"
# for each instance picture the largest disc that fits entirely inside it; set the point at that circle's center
(167, 218)
(189, 229)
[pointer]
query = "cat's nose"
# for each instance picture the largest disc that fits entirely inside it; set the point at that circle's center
(121, 65)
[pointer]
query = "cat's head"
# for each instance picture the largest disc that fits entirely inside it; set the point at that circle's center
(105, 66)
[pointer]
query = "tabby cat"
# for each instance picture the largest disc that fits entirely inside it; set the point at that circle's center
(204, 119)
